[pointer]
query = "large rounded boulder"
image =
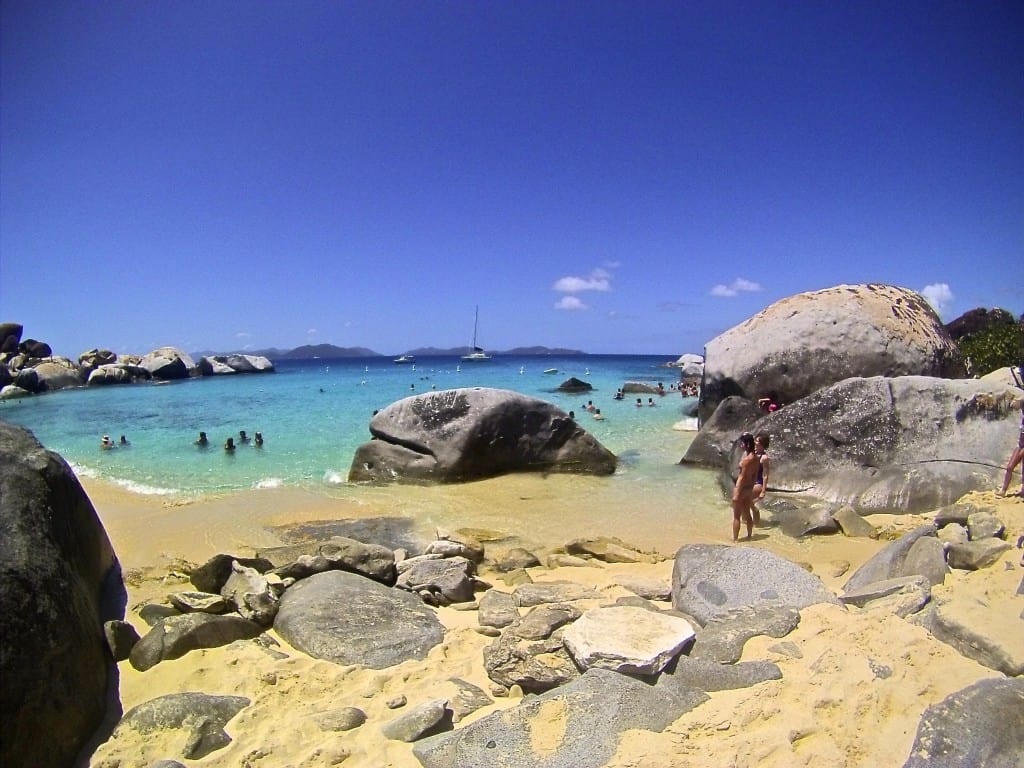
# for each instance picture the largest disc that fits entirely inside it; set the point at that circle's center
(10, 337)
(59, 582)
(910, 444)
(169, 363)
(811, 340)
(57, 373)
(469, 434)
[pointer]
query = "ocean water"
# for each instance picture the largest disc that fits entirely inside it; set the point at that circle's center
(314, 413)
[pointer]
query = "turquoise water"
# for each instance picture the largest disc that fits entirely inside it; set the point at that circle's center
(313, 414)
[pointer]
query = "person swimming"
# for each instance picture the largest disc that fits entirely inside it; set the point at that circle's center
(201, 441)
(106, 443)
(258, 440)
(229, 445)
(242, 437)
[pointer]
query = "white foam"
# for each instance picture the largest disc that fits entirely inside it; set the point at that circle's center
(144, 490)
(333, 478)
(268, 482)
(686, 425)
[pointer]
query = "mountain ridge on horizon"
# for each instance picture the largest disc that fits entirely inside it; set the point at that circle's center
(332, 351)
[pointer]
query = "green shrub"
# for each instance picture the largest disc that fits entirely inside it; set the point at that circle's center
(994, 347)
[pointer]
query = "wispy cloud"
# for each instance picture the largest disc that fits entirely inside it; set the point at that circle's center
(939, 296)
(243, 335)
(570, 303)
(598, 280)
(311, 332)
(737, 286)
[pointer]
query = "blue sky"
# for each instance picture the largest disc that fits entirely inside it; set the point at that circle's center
(613, 177)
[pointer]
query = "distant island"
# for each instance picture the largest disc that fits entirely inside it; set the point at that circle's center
(332, 352)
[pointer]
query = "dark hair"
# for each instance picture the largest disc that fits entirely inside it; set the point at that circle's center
(748, 442)
(764, 437)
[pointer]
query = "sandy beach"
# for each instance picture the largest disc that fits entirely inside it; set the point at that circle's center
(854, 682)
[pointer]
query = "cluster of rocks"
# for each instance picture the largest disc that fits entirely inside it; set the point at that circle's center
(875, 413)
(29, 367)
(636, 662)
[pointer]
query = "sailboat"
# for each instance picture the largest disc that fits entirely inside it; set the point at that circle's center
(476, 354)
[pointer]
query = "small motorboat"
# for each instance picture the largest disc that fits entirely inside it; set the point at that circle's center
(405, 359)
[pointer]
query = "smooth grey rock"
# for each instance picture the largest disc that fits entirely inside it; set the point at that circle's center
(468, 699)
(979, 726)
(197, 602)
(722, 639)
(497, 609)
(903, 557)
(60, 582)
(976, 554)
(201, 716)
(251, 594)
(467, 434)
(349, 619)
(175, 636)
(419, 721)
(536, 593)
(974, 641)
(543, 620)
(154, 613)
(710, 580)
(516, 559)
(608, 550)
(471, 550)
(596, 709)
(904, 595)
(533, 665)
(449, 579)
(647, 588)
(169, 363)
(806, 520)
(809, 341)
(713, 445)
(985, 525)
(953, 533)
(852, 524)
(212, 575)
(343, 719)
(706, 675)
(121, 638)
(627, 639)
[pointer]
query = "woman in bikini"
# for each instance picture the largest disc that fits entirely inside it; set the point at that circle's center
(743, 493)
(1017, 457)
(764, 465)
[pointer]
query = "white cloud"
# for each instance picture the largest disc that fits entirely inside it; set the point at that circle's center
(570, 303)
(311, 332)
(939, 296)
(243, 335)
(736, 287)
(598, 280)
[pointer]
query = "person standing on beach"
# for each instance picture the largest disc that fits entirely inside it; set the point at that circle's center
(743, 493)
(1017, 457)
(764, 465)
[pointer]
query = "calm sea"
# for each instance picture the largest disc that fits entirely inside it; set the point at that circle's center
(314, 413)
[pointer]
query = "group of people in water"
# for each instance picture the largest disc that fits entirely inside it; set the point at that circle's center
(229, 445)
(106, 443)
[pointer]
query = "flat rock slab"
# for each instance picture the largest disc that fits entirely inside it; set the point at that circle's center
(979, 726)
(627, 639)
(709, 580)
(575, 726)
(918, 553)
(349, 619)
(527, 595)
(201, 716)
(174, 636)
(722, 639)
